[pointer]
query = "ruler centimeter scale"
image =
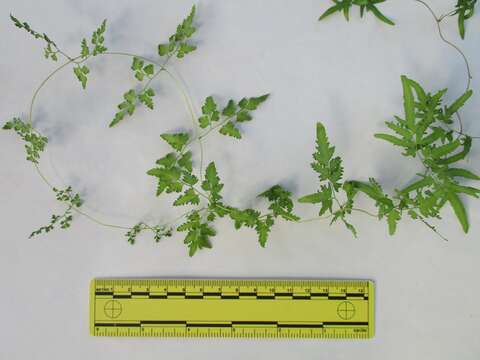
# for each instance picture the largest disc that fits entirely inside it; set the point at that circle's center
(336, 309)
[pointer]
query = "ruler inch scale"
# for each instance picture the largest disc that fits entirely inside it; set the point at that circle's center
(232, 308)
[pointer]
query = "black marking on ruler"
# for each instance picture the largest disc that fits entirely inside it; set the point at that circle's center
(153, 296)
(254, 323)
(311, 326)
(103, 293)
(175, 293)
(193, 296)
(118, 324)
(234, 323)
(364, 296)
(230, 297)
(349, 323)
(95, 308)
(122, 296)
(301, 297)
(163, 322)
(209, 325)
(247, 293)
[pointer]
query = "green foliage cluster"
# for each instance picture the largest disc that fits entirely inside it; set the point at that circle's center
(141, 70)
(198, 232)
(146, 70)
(97, 47)
(50, 51)
(174, 170)
(97, 42)
(130, 100)
(177, 43)
(34, 142)
(424, 132)
(465, 10)
(199, 221)
(174, 174)
(72, 200)
(330, 173)
(81, 72)
(233, 114)
(159, 232)
(344, 6)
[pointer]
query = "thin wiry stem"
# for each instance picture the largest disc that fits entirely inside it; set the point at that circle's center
(134, 55)
(44, 178)
(316, 218)
(99, 222)
(438, 20)
(183, 90)
(204, 135)
(442, 37)
(460, 130)
(431, 227)
(365, 212)
(191, 110)
(205, 196)
(74, 60)
(42, 84)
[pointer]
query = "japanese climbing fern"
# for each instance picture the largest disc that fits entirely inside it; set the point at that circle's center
(424, 132)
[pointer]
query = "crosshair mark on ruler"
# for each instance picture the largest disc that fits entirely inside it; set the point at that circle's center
(113, 309)
(346, 310)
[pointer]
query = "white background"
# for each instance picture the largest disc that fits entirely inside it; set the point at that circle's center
(346, 75)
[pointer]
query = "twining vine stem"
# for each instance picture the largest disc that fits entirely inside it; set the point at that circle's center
(438, 20)
(72, 60)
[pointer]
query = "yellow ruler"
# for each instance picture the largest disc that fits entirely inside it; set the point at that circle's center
(338, 309)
